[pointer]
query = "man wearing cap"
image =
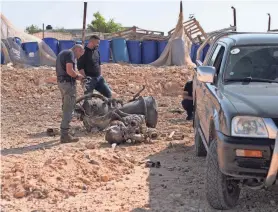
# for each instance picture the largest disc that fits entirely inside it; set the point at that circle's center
(66, 77)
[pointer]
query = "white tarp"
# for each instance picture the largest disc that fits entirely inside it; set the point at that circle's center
(177, 51)
(8, 32)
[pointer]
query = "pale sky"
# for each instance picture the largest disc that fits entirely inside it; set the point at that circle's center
(152, 15)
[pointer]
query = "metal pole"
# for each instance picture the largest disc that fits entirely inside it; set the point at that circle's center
(269, 21)
(43, 31)
(84, 23)
(234, 14)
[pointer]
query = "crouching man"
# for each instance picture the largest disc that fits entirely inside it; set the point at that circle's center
(66, 78)
(187, 102)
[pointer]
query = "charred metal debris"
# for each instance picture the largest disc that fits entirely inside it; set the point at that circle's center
(130, 122)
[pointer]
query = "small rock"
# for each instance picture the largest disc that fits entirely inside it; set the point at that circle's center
(164, 186)
(104, 178)
(20, 194)
(177, 195)
(90, 145)
(272, 202)
(94, 162)
(116, 157)
(40, 194)
(85, 180)
(163, 135)
(171, 168)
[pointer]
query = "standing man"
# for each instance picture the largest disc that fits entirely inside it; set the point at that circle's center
(66, 77)
(89, 67)
(187, 102)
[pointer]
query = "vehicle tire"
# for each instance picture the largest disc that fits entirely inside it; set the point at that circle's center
(222, 193)
(200, 149)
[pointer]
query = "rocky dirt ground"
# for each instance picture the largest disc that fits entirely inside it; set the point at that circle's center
(40, 174)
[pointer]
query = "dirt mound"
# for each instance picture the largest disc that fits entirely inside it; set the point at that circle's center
(37, 167)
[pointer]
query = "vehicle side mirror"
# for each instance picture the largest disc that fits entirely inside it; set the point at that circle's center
(206, 74)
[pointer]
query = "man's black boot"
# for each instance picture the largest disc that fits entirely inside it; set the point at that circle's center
(67, 138)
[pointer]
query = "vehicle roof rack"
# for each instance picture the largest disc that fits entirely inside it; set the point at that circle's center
(214, 37)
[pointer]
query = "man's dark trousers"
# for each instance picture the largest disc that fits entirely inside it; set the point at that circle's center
(99, 84)
(188, 106)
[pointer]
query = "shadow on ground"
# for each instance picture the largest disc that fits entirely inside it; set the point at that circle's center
(31, 148)
(179, 185)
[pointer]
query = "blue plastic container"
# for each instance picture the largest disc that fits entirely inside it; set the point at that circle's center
(104, 51)
(193, 53)
(204, 52)
(161, 46)
(2, 58)
(119, 50)
(18, 40)
(134, 51)
(30, 47)
(32, 53)
(65, 44)
(53, 44)
(149, 51)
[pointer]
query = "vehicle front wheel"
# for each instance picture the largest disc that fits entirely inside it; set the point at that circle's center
(222, 193)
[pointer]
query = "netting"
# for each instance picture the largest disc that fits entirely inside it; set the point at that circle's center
(177, 51)
(13, 51)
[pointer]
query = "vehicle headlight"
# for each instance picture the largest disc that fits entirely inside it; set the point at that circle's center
(246, 126)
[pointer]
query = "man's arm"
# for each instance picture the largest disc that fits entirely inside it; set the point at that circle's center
(81, 65)
(72, 73)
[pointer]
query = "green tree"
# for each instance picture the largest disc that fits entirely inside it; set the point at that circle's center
(59, 29)
(32, 29)
(99, 24)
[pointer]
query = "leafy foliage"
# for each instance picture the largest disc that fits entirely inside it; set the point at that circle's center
(99, 24)
(33, 29)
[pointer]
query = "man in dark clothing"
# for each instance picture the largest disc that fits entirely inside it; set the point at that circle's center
(89, 67)
(187, 102)
(66, 77)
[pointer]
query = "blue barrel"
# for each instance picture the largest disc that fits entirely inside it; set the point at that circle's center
(204, 52)
(149, 51)
(119, 50)
(18, 40)
(65, 44)
(104, 51)
(134, 51)
(193, 53)
(2, 58)
(161, 46)
(32, 52)
(53, 44)
(30, 47)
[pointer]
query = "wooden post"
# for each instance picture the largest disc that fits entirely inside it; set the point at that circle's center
(234, 14)
(269, 22)
(84, 23)
(43, 31)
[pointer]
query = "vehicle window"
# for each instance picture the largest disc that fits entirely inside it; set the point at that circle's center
(256, 62)
(216, 60)
(215, 53)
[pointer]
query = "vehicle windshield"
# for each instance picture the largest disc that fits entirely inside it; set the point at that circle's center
(254, 63)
